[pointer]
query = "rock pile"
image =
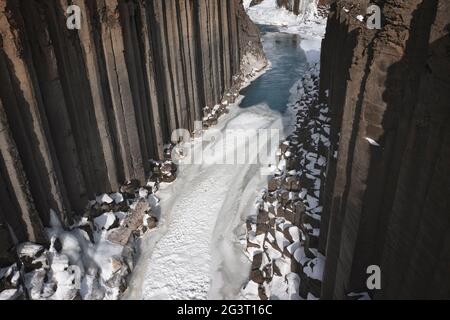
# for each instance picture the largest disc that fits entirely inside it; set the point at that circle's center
(10, 284)
(164, 171)
(283, 239)
(92, 259)
(211, 115)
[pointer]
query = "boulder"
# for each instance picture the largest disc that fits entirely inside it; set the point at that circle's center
(132, 223)
(130, 187)
(30, 255)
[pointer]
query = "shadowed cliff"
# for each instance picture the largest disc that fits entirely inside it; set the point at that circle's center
(83, 111)
(387, 204)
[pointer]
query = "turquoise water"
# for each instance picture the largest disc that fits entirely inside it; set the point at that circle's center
(288, 63)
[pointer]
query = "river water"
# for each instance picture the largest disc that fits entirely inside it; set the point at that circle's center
(196, 253)
(288, 59)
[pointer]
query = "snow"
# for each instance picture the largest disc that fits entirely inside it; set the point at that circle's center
(269, 13)
(8, 294)
(143, 193)
(77, 250)
(104, 198)
(278, 289)
(105, 221)
(253, 67)
(153, 200)
(28, 249)
(315, 268)
(276, 243)
(295, 233)
(293, 280)
(249, 291)
(71, 247)
(80, 261)
(307, 24)
(117, 197)
(198, 252)
(372, 142)
(201, 211)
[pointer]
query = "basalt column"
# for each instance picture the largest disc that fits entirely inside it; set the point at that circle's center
(83, 111)
(388, 182)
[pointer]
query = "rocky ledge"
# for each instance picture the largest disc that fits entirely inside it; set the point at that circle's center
(283, 239)
(90, 260)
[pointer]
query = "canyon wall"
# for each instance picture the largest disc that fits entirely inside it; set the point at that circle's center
(83, 111)
(388, 181)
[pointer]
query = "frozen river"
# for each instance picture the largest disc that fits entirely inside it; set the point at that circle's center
(196, 253)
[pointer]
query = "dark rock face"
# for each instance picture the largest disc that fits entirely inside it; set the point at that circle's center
(388, 204)
(81, 112)
(6, 247)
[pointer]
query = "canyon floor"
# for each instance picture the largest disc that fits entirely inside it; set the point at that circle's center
(198, 250)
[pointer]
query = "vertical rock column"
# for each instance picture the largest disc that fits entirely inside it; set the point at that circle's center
(125, 112)
(387, 191)
(83, 111)
(22, 101)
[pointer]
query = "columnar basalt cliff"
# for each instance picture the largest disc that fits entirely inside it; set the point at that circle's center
(83, 111)
(387, 191)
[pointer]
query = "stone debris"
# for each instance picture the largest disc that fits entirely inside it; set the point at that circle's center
(132, 223)
(10, 284)
(211, 115)
(163, 171)
(105, 198)
(282, 241)
(93, 258)
(93, 150)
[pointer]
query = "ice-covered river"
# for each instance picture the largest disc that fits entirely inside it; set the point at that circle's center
(196, 253)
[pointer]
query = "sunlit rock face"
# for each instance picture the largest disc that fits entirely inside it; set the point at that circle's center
(387, 189)
(83, 111)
